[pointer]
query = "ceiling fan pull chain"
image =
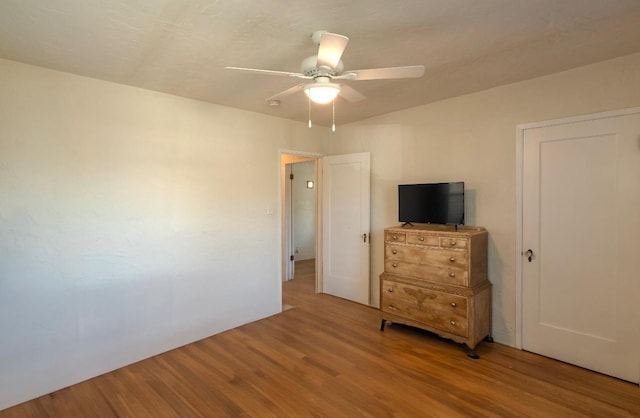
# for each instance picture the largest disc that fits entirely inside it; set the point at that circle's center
(333, 126)
(310, 112)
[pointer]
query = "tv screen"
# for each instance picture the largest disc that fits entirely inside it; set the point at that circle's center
(433, 203)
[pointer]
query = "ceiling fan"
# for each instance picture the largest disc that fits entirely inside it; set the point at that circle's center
(325, 68)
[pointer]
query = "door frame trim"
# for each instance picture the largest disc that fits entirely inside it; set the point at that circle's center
(520, 132)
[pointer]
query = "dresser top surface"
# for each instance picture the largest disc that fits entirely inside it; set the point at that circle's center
(439, 229)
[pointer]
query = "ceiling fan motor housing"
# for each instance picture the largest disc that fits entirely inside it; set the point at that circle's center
(310, 68)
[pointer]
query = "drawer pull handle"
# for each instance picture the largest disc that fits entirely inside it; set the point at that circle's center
(452, 259)
(395, 237)
(421, 238)
(453, 304)
(453, 323)
(452, 274)
(390, 290)
(453, 243)
(394, 252)
(391, 307)
(394, 265)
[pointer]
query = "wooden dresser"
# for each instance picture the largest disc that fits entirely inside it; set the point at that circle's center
(435, 278)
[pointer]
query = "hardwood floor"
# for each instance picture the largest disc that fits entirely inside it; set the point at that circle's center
(327, 357)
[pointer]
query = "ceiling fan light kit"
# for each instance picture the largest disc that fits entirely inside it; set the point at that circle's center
(327, 67)
(322, 94)
(322, 91)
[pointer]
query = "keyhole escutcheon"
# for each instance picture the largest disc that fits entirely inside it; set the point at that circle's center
(529, 254)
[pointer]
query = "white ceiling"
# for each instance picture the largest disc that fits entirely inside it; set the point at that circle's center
(181, 47)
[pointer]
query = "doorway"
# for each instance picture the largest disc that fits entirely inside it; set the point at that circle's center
(301, 197)
(299, 181)
(342, 222)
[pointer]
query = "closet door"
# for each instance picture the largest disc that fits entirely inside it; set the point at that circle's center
(581, 243)
(346, 223)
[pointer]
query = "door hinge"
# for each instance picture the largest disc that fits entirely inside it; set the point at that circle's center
(291, 258)
(291, 176)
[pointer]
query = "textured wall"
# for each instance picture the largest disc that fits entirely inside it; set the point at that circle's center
(131, 222)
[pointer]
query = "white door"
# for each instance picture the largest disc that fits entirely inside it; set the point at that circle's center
(581, 221)
(345, 220)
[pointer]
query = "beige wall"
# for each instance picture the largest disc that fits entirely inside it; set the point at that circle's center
(472, 139)
(131, 222)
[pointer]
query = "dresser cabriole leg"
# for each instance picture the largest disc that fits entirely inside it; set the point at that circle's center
(471, 353)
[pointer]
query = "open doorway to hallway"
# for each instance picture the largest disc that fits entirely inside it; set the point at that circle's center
(299, 218)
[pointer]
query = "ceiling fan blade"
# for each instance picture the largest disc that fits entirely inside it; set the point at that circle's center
(412, 71)
(287, 92)
(331, 48)
(345, 76)
(350, 94)
(268, 72)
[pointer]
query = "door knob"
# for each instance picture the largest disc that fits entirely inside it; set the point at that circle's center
(529, 254)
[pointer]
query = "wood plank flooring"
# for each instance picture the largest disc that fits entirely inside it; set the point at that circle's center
(327, 357)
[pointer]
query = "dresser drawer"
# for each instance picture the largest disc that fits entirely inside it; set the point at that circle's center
(454, 242)
(447, 275)
(395, 236)
(423, 239)
(431, 256)
(439, 310)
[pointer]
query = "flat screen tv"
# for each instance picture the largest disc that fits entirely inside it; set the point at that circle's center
(432, 203)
